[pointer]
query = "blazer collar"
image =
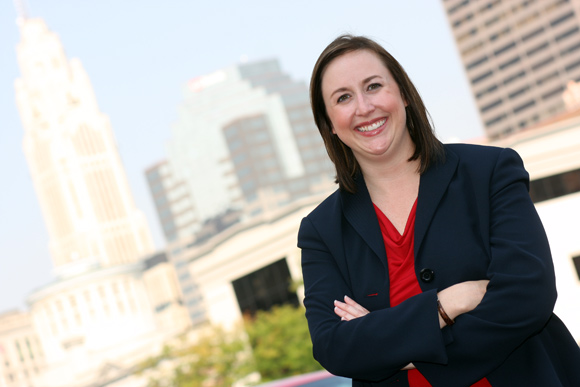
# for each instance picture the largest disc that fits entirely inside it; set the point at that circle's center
(359, 211)
(434, 183)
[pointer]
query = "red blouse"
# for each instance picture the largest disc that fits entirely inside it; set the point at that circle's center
(403, 281)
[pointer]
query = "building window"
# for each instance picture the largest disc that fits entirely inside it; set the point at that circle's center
(512, 78)
(576, 261)
(547, 78)
(489, 5)
(572, 66)
(555, 186)
(481, 77)
(562, 18)
(505, 48)
(533, 34)
(519, 92)
(458, 22)
(265, 288)
(568, 33)
(473, 48)
(524, 106)
(19, 351)
(490, 89)
(557, 91)
(30, 354)
(453, 9)
(477, 62)
(537, 49)
(542, 63)
(570, 49)
(508, 63)
(499, 34)
(490, 106)
(495, 120)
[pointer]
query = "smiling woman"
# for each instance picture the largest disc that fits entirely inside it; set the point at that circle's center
(429, 266)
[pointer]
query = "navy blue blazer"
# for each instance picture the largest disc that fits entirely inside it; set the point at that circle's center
(474, 220)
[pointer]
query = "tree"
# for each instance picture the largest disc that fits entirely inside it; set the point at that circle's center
(281, 343)
(216, 359)
(280, 347)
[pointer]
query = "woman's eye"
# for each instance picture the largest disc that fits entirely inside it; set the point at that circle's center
(343, 98)
(374, 86)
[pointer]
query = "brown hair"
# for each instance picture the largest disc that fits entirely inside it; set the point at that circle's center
(428, 148)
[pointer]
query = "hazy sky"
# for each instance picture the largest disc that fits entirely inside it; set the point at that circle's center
(139, 54)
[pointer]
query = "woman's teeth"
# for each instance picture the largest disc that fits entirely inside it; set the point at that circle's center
(370, 127)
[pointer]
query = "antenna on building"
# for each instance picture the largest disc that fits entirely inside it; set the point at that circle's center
(21, 10)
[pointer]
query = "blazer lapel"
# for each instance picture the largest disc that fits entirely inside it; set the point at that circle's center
(434, 183)
(359, 212)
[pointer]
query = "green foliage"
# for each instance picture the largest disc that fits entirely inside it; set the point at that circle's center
(217, 358)
(280, 347)
(281, 343)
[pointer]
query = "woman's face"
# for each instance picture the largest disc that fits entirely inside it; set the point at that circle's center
(365, 107)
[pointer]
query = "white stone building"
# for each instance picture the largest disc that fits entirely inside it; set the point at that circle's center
(112, 302)
(21, 356)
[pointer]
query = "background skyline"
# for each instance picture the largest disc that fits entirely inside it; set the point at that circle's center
(139, 55)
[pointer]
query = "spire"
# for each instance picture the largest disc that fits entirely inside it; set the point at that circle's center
(21, 10)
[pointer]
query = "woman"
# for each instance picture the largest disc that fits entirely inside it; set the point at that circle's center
(429, 265)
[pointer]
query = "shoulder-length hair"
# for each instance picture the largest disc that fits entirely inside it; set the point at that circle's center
(428, 149)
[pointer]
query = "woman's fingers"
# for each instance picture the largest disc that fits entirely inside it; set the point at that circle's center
(349, 309)
(359, 308)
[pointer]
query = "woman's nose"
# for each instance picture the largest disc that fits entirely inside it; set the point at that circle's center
(364, 105)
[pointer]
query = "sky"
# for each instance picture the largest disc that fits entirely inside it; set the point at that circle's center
(140, 53)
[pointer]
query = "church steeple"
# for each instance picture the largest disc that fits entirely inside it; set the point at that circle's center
(21, 10)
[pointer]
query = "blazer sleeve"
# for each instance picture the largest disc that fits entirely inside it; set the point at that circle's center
(376, 346)
(521, 294)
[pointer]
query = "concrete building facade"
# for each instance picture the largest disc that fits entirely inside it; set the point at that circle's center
(245, 142)
(251, 266)
(22, 358)
(74, 163)
(518, 56)
(112, 302)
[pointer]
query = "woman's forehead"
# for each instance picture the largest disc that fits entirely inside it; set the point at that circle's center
(352, 66)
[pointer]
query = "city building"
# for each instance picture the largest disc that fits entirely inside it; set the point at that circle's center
(518, 56)
(113, 302)
(244, 142)
(73, 159)
(21, 355)
(251, 266)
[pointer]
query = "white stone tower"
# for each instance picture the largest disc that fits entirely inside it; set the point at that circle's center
(112, 303)
(74, 163)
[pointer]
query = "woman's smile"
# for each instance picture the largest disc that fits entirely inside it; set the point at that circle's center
(371, 127)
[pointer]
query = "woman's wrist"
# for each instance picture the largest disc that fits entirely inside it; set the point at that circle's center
(443, 314)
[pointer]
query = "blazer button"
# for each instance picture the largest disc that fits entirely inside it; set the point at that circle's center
(427, 275)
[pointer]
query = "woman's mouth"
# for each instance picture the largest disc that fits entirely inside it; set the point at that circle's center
(375, 125)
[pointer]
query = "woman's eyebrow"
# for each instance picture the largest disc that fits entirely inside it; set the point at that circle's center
(343, 89)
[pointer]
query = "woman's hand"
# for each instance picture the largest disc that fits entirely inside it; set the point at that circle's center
(461, 298)
(349, 309)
